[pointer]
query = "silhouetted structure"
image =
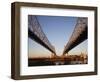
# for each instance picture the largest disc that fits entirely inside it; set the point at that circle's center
(79, 34)
(35, 32)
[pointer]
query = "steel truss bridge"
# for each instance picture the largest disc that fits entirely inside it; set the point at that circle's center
(36, 33)
(79, 34)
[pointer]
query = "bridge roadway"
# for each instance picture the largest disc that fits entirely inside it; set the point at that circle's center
(79, 34)
(36, 33)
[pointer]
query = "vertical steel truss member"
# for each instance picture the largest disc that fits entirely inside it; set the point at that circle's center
(79, 34)
(35, 32)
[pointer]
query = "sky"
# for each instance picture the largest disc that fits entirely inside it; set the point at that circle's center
(58, 30)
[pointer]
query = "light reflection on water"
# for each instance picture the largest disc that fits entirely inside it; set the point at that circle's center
(59, 63)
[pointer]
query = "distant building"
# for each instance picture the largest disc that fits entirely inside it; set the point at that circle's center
(78, 59)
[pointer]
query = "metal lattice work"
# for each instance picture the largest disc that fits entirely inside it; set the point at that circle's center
(35, 32)
(79, 34)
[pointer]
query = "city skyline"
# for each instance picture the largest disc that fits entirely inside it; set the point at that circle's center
(58, 31)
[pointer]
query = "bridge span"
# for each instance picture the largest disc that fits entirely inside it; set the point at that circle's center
(79, 34)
